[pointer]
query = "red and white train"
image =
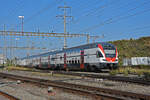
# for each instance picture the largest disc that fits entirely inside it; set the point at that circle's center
(90, 57)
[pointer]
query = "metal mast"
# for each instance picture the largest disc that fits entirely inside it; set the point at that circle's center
(64, 18)
(5, 50)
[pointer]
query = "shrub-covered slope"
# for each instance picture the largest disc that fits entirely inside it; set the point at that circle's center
(133, 48)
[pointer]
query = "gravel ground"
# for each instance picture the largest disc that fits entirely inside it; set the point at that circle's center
(25, 91)
(3, 98)
(106, 73)
(88, 81)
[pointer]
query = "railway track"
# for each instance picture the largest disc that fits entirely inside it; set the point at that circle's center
(98, 93)
(10, 97)
(136, 80)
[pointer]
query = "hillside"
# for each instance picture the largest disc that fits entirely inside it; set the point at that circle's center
(133, 48)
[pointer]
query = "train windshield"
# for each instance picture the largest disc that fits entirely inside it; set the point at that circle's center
(110, 55)
(110, 51)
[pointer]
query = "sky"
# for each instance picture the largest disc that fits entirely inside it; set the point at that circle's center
(113, 19)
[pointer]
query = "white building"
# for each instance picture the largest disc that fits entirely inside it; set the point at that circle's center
(2, 59)
(136, 61)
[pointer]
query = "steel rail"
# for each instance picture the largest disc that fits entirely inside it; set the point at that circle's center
(136, 80)
(10, 97)
(95, 91)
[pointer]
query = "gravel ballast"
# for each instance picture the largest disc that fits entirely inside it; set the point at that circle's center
(129, 87)
(26, 91)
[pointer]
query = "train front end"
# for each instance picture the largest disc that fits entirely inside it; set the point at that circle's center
(108, 56)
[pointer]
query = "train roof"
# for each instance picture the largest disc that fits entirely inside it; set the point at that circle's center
(76, 48)
(91, 45)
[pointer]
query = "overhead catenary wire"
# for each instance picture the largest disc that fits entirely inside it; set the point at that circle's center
(96, 10)
(141, 28)
(38, 13)
(100, 8)
(137, 30)
(13, 11)
(109, 20)
(120, 7)
(113, 21)
(91, 11)
(118, 18)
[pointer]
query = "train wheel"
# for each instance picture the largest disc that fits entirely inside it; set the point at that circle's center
(67, 69)
(88, 68)
(111, 67)
(92, 68)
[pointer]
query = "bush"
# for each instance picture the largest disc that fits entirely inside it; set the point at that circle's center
(131, 70)
(145, 66)
(146, 75)
(133, 48)
(113, 72)
(125, 73)
(139, 72)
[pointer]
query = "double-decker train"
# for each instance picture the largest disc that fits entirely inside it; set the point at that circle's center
(90, 57)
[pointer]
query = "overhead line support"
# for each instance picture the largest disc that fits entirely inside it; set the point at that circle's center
(64, 18)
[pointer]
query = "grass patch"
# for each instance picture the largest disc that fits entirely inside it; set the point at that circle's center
(114, 72)
(54, 75)
(130, 70)
(9, 68)
(41, 74)
(132, 48)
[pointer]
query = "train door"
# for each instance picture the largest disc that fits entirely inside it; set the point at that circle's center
(49, 66)
(40, 65)
(82, 59)
(32, 64)
(65, 65)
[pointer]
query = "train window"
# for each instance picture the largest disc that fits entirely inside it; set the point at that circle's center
(78, 61)
(61, 58)
(69, 61)
(52, 59)
(75, 62)
(98, 54)
(110, 55)
(72, 62)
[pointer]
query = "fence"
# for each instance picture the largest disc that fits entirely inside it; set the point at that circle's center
(136, 61)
